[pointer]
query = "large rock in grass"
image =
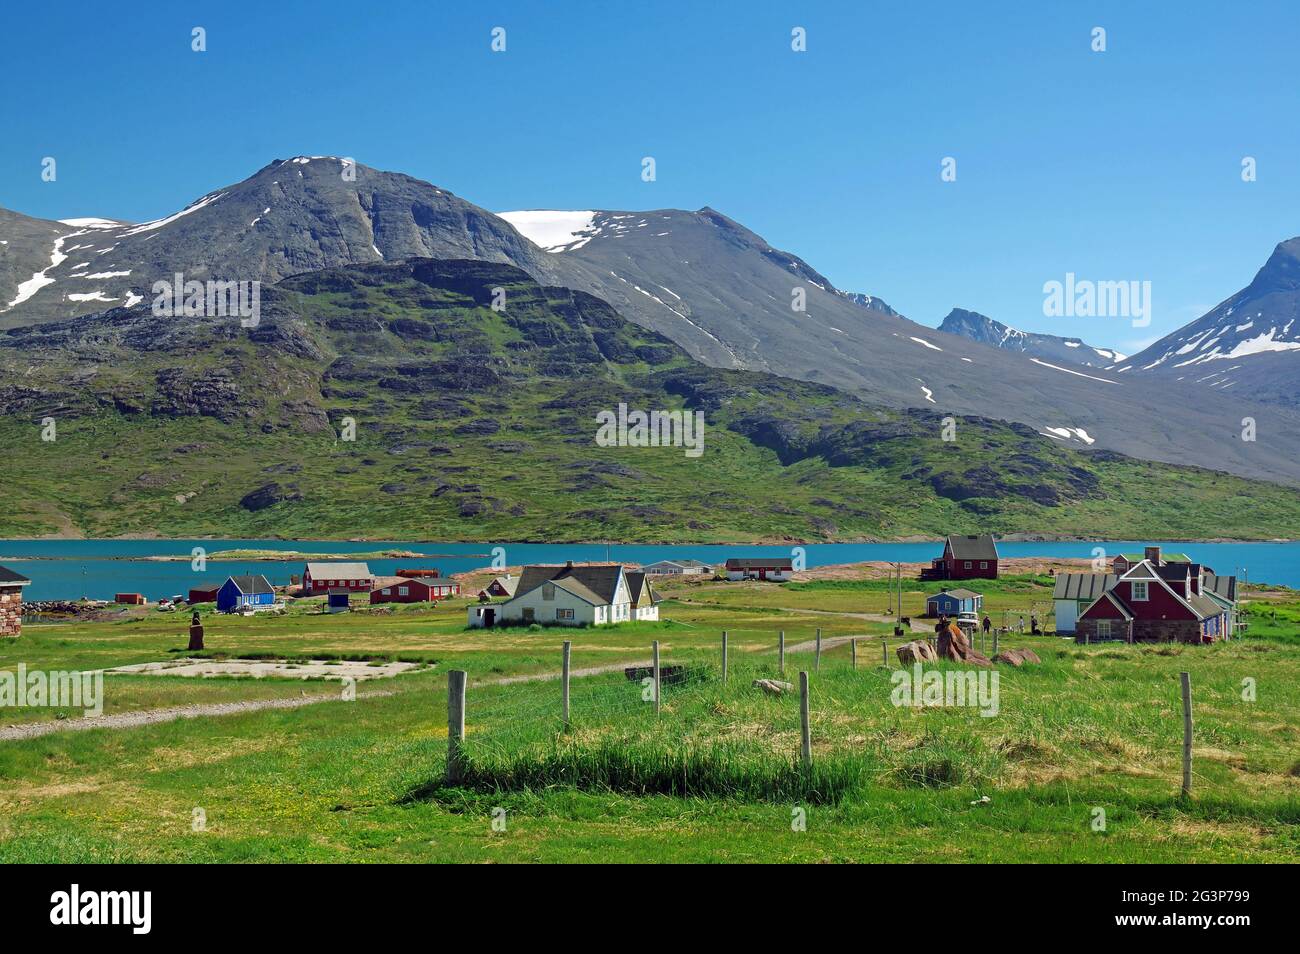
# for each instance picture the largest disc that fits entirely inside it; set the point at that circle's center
(773, 687)
(916, 651)
(953, 645)
(1017, 657)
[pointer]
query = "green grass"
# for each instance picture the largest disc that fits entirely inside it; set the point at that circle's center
(716, 777)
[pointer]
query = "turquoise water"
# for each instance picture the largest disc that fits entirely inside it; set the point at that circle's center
(100, 568)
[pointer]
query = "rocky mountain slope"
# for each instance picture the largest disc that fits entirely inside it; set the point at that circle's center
(391, 400)
(1247, 346)
(977, 327)
(712, 286)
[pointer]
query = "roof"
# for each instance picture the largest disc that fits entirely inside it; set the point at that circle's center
(1224, 587)
(1204, 606)
(959, 593)
(251, 585)
(980, 547)
(594, 583)
(681, 563)
(383, 582)
(758, 563)
(1164, 557)
(1082, 586)
(639, 586)
(1142, 571)
(1178, 571)
(339, 571)
(9, 578)
(508, 583)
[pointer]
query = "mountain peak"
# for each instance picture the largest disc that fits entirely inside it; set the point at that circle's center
(986, 330)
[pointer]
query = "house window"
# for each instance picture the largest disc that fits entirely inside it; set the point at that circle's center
(1103, 629)
(386, 592)
(984, 564)
(1139, 590)
(968, 564)
(403, 591)
(548, 591)
(564, 614)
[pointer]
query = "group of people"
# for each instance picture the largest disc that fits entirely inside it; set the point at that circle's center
(987, 624)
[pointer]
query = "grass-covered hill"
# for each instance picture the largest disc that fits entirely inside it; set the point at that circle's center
(478, 424)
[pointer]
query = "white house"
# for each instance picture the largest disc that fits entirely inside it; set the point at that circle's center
(1074, 593)
(677, 568)
(760, 568)
(593, 595)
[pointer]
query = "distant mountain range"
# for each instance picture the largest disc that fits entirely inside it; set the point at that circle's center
(1247, 346)
(700, 279)
(977, 327)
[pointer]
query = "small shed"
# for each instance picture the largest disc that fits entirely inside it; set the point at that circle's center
(205, 593)
(954, 602)
(129, 599)
(244, 593)
(337, 601)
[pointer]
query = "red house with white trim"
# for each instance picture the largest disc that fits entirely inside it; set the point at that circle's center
(1155, 603)
(320, 578)
(965, 558)
(402, 589)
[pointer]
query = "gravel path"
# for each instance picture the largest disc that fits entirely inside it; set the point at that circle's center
(127, 720)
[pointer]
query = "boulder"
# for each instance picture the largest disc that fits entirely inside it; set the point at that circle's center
(773, 687)
(916, 651)
(1017, 657)
(952, 644)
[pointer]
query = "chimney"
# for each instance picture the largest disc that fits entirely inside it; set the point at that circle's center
(1153, 554)
(568, 564)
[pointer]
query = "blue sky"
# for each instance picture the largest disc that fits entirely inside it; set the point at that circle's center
(1117, 165)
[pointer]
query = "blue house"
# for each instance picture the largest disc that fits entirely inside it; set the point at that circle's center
(953, 602)
(244, 592)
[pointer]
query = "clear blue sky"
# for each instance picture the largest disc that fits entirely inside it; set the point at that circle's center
(1115, 165)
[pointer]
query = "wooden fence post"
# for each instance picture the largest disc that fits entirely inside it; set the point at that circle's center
(564, 676)
(995, 642)
(780, 651)
(455, 725)
(805, 738)
(724, 657)
(817, 663)
(884, 650)
(1186, 679)
(656, 665)
(853, 644)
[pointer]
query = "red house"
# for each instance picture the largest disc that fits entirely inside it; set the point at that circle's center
(1155, 604)
(129, 599)
(321, 578)
(402, 589)
(965, 558)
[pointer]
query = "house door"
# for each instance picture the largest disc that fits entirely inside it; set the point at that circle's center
(489, 616)
(528, 614)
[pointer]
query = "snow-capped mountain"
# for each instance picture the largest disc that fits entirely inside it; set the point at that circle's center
(977, 327)
(292, 216)
(1248, 346)
(716, 288)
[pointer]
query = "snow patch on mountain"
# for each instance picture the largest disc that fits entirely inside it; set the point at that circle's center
(554, 230)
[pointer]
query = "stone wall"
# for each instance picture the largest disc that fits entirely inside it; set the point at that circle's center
(11, 610)
(1144, 631)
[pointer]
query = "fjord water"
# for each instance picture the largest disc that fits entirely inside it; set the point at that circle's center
(69, 569)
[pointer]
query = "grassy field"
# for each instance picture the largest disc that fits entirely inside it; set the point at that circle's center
(714, 777)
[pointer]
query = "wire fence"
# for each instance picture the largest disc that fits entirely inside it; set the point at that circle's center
(813, 719)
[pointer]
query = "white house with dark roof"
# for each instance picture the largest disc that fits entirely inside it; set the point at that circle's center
(592, 595)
